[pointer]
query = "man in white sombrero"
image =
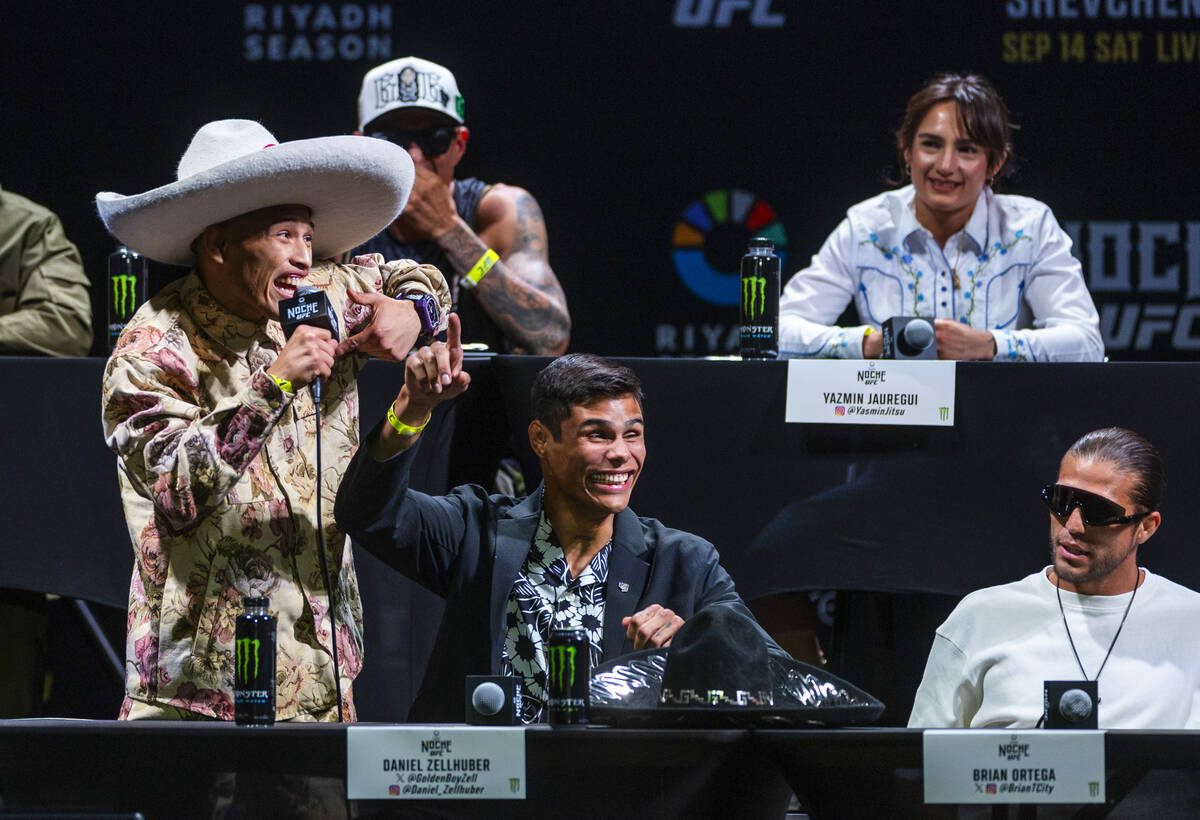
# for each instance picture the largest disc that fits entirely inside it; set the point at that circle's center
(216, 440)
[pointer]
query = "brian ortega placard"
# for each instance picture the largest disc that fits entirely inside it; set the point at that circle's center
(435, 763)
(871, 392)
(1004, 766)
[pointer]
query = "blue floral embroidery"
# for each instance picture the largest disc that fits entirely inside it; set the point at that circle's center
(969, 295)
(998, 249)
(905, 261)
(1017, 349)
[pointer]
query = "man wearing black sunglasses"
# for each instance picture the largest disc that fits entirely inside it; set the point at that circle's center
(489, 240)
(1092, 614)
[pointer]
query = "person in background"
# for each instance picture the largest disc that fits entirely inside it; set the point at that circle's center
(489, 240)
(45, 306)
(993, 272)
(45, 310)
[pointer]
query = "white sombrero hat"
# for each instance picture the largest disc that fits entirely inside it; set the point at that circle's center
(355, 187)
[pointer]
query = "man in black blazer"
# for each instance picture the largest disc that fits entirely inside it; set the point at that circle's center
(570, 554)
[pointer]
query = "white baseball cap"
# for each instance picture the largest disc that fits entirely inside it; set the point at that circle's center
(409, 82)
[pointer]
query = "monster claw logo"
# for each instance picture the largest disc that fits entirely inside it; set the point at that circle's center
(562, 665)
(754, 297)
(124, 294)
(246, 647)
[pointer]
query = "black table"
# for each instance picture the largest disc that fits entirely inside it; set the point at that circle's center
(172, 770)
(168, 769)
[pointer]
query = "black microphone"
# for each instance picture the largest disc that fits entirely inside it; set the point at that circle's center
(310, 306)
(493, 700)
(1070, 704)
(909, 337)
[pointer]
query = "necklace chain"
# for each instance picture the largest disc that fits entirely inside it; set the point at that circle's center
(962, 237)
(1120, 626)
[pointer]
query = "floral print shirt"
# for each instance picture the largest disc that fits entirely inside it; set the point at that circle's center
(218, 479)
(1008, 271)
(545, 597)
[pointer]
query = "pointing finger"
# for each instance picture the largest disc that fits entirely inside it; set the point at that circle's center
(454, 344)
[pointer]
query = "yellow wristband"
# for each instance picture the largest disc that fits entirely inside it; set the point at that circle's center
(402, 428)
(868, 332)
(284, 384)
(489, 258)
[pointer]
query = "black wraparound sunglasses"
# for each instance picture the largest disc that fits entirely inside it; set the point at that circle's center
(1097, 511)
(433, 142)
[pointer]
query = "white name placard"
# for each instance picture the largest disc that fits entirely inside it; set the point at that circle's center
(1025, 766)
(425, 762)
(877, 391)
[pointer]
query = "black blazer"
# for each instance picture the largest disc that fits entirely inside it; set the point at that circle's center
(468, 546)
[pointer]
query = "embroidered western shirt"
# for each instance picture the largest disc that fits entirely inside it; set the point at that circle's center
(1009, 271)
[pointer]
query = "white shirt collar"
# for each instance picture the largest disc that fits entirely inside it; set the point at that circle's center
(916, 235)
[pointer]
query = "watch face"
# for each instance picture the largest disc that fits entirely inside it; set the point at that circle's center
(427, 311)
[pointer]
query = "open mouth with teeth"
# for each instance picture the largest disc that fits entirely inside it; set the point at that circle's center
(943, 185)
(611, 480)
(286, 284)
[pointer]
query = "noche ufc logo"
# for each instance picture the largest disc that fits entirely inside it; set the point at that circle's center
(720, 13)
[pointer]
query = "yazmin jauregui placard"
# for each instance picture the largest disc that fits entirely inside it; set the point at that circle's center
(435, 762)
(885, 391)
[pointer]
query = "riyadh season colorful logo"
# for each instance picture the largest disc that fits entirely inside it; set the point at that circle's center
(711, 237)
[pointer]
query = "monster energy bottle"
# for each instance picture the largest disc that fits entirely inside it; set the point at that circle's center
(567, 669)
(254, 675)
(760, 300)
(126, 289)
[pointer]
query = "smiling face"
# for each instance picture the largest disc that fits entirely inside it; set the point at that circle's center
(1098, 560)
(252, 262)
(948, 168)
(593, 463)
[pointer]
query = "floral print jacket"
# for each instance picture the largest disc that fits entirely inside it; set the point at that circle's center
(218, 478)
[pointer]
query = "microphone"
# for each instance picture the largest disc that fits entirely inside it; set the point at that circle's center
(493, 700)
(908, 337)
(1070, 704)
(1075, 705)
(310, 306)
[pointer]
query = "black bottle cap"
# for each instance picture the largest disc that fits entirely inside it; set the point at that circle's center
(762, 242)
(249, 603)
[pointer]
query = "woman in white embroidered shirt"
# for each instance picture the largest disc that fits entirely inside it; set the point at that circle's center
(993, 273)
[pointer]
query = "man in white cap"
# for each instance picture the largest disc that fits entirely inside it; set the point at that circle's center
(217, 443)
(489, 239)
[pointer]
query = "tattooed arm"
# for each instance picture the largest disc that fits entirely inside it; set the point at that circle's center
(520, 293)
